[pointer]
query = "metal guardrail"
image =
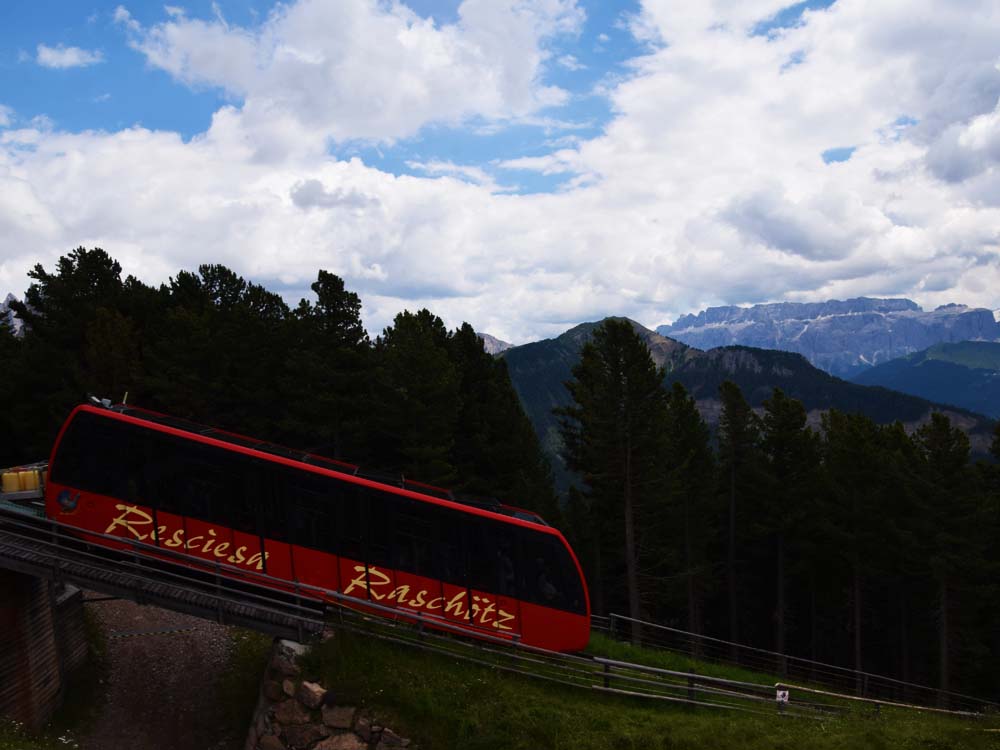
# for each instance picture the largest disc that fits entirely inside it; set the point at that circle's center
(45, 548)
(235, 595)
(847, 682)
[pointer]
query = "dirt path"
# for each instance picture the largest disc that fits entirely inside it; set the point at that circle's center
(161, 692)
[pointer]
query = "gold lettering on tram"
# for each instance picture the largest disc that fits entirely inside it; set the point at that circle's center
(378, 585)
(134, 521)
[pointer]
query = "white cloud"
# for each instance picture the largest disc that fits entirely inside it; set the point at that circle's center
(67, 57)
(569, 62)
(468, 173)
(358, 69)
(6, 116)
(706, 187)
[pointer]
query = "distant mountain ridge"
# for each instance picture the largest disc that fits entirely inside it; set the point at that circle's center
(842, 337)
(539, 370)
(965, 374)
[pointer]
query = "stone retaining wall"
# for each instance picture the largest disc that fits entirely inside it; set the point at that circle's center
(42, 640)
(293, 714)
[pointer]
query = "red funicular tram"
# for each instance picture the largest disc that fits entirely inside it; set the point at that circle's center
(249, 504)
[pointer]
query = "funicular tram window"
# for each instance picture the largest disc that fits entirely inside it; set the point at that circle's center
(451, 550)
(251, 488)
(425, 541)
(349, 534)
(547, 575)
(311, 509)
(493, 555)
(194, 480)
(103, 456)
(378, 511)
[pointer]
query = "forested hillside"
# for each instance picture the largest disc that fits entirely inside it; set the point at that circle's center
(209, 346)
(855, 543)
(966, 374)
(838, 539)
(540, 369)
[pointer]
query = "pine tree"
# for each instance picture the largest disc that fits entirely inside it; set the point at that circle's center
(328, 373)
(792, 460)
(10, 365)
(946, 454)
(613, 439)
(217, 352)
(496, 450)
(855, 471)
(59, 310)
(689, 483)
(417, 398)
(739, 436)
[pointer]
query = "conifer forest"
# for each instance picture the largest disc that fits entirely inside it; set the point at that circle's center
(849, 542)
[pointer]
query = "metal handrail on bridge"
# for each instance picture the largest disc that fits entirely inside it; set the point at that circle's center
(306, 608)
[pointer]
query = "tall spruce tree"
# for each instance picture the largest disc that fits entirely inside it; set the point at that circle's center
(613, 439)
(60, 309)
(946, 453)
(328, 373)
(690, 466)
(217, 353)
(417, 398)
(855, 470)
(739, 438)
(496, 449)
(792, 460)
(10, 365)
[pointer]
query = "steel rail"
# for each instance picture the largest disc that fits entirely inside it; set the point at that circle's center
(196, 584)
(299, 602)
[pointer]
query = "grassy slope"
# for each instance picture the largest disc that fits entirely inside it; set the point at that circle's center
(442, 703)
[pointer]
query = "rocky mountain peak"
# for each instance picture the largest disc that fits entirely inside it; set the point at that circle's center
(493, 345)
(843, 337)
(7, 315)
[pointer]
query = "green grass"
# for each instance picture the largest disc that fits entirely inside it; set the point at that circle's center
(239, 684)
(609, 648)
(444, 703)
(15, 737)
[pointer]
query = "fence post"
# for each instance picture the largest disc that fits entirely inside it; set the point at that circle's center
(611, 625)
(781, 697)
(691, 691)
(607, 675)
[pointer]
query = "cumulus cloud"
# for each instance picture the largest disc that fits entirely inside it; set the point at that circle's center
(313, 194)
(467, 172)
(364, 70)
(67, 57)
(569, 62)
(967, 149)
(707, 186)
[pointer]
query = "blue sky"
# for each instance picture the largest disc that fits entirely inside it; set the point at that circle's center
(523, 165)
(123, 90)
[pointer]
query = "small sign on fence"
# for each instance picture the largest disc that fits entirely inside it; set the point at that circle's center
(781, 695)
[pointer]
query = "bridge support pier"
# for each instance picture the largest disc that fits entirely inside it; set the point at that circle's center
(42, 640)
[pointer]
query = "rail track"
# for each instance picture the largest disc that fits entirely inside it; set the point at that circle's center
(33, 544)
